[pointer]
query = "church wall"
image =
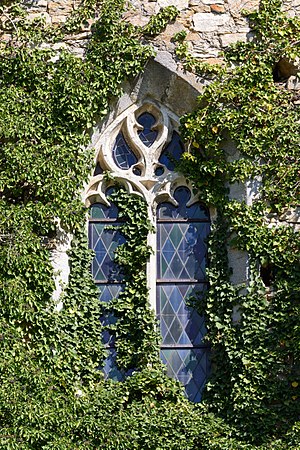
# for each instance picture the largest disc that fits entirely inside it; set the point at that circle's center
(211, 25)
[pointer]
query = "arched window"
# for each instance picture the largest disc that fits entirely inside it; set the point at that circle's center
(140, 150)
(181, 261)
(104, 238)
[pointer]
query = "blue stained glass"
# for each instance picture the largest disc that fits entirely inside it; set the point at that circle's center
(106, 293)
(108, 319)
(181, 255)
(173, 151)
(122, 154)
(147, 135)
(100, 211)
(180, 324)
(98, 170)
(104, 242)
(109, 291)
(159, 171)
(189, 366)
(182, 195)
(181, 250)
(104, 238)
(110, 368)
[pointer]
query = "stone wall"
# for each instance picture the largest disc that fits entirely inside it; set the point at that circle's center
(211, 25)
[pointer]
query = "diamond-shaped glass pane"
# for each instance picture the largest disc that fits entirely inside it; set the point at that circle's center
(189, 366)
(179, 323)
(109, 291)
(147, 135)
(122, 154)
(111, 369)
(101, 211)
(181, 250)
(104, 242)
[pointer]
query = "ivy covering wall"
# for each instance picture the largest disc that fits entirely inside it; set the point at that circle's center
(52, 393)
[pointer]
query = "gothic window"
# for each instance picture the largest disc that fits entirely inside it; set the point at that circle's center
(104, 238)
(140, 150)
(181, 258)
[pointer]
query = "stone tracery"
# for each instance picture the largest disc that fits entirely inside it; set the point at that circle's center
(139, 149)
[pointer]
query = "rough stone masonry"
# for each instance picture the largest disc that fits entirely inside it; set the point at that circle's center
(211, 25)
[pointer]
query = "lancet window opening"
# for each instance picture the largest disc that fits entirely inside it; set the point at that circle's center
(139, 150)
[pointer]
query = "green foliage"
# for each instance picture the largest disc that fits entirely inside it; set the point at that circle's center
(158, 22)
(86, 10)
(136, 338)
(52, 395)
(246, 129)
(48, 102)
(244, 105)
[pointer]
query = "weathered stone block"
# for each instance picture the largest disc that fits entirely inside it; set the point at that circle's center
(201, 8)
(231, 38)
(211, 2)
(219, 9)
(218, 61)
(239, 5)
(206, 22)
(60, 6)
(40, 15)
(180, 4)
(59, 18)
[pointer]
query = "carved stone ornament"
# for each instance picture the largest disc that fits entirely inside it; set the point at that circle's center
(138, 151)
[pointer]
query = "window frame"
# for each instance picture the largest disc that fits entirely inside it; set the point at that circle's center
(156, 189)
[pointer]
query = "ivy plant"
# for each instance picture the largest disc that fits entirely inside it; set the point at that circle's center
(246, 130)
(52, 391)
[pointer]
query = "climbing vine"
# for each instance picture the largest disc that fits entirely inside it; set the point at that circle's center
(136, 338)
(52, 393)
(246, 130)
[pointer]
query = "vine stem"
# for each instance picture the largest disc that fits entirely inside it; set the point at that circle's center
(11, 21)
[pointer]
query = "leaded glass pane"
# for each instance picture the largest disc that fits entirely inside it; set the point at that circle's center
(110, 368)
(179, 323)
(100, 211)
(122, 154)
(181, 250)
(172, 152)
(147, 135)
(181, 255)
(189, 366)
(104, 242)
(182, 195)
(108, 319)
(109, 291)
(104, 238)
(98, 170)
